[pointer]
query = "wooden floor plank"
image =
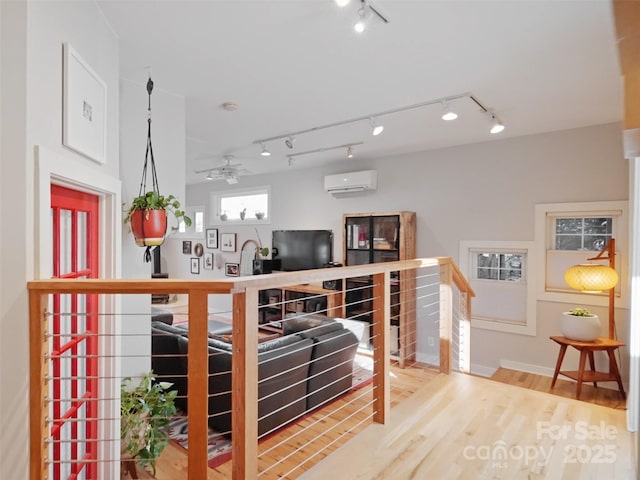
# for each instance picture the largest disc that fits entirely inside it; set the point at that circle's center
(449, 415)
(454, 428)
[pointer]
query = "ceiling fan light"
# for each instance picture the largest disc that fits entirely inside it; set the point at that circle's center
(209, 176)
(342, 3)
(231, 180)
(265, 152)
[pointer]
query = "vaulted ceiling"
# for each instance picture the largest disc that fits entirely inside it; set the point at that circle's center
(541, 65)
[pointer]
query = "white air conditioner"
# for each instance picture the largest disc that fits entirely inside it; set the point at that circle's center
(351, 182)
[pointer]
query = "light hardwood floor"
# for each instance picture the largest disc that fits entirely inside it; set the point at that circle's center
(445, 423)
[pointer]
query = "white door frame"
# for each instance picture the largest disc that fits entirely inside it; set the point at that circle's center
(66, 170)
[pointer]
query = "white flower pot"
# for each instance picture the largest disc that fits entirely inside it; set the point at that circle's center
(585, 329)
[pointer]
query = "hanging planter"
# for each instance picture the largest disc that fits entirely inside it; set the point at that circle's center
(148, 211)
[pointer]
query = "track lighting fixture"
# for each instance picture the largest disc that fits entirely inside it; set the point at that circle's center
(496, 124)
(349, 151)
(447, 113)
(265, 152)
(342, 3)
(289, 142)
(290, 160)
(363, 17)
(376, 128)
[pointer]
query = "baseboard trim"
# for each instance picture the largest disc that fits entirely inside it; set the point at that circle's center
(480, 370)
(545, 372)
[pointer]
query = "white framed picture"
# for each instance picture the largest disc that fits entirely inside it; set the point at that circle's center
(84, 112)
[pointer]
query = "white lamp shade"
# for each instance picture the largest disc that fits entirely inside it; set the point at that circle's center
(591, 277)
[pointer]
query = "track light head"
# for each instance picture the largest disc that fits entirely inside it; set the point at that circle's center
(376, 129)
(363, 18)
(349, 151)
(289, 142)
(265, 152)
(290, 160)
(447, 113)
(496, 125)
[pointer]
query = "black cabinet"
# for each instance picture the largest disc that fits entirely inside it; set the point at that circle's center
(383, 237)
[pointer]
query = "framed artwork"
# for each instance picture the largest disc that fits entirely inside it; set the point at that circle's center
(228, 242)
(232, 269)
(212, 238)
(186, 247)
(208, 261)
(84, 107)
(195, 265)
(198, 250)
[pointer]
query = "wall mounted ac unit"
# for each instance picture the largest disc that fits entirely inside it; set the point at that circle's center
(351, 182)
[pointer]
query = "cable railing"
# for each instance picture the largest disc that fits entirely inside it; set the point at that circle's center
(276, 384)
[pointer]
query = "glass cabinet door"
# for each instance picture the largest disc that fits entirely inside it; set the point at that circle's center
(357, 233)
(386, 233)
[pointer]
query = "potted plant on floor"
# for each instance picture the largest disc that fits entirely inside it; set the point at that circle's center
(580, 324)
(147, 215)
(145, 411)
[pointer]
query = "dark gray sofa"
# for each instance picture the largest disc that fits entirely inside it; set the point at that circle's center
(308, 366)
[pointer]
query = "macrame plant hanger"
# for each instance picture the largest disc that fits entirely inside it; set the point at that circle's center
(149, 155)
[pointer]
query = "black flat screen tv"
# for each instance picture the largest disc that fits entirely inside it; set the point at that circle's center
(302, 249)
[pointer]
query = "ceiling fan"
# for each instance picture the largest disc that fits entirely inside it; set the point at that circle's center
(229, 171)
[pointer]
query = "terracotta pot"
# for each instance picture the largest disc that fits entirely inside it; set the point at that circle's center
(149, 227)
(584, 329)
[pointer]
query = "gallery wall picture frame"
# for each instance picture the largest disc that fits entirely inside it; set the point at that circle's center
(84, 107)
(212, 238)
(195, 265)
(232, 269)
(208, 261)
(186, 247)
(198, 250)
(228, 241)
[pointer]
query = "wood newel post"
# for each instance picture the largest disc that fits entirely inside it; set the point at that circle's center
(38, 369)
(446, 317)
(198, 385)
(612, 291)
(465, 333)
(244, 385)
(381, 329)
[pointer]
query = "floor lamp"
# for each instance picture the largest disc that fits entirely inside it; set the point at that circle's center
(595, 278)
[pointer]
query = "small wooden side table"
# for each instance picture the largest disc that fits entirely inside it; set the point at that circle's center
(586, 350)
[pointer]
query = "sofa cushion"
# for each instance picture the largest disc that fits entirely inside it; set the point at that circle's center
(320, 330)
(161, 315)
(331, 368)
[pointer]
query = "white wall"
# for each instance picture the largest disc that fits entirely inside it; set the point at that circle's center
(485, 191)
(31, 93)
(168, 140)
(13, 274)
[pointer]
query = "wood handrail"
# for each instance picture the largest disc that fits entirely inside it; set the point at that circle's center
(245, 375)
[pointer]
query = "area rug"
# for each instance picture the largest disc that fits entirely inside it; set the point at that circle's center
(219, 450)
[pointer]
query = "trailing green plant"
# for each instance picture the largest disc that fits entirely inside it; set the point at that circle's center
(145, 412)
(155, 201)
(580, 312)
